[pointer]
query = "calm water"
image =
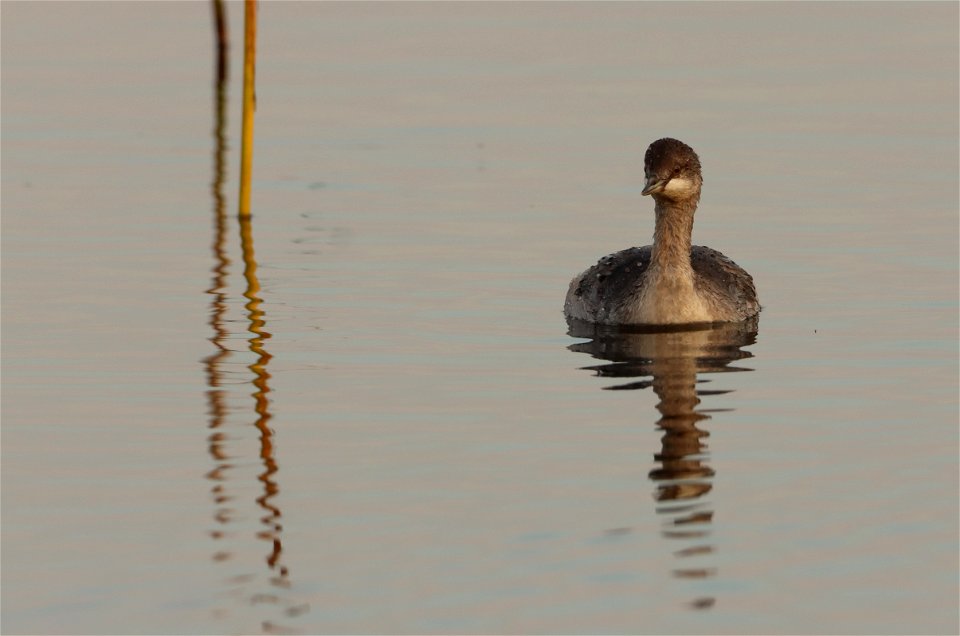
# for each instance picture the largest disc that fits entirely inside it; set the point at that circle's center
(365, 413)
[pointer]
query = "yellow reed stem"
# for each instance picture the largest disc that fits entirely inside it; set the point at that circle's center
(249, 102)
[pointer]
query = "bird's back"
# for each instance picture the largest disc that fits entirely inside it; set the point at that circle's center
(725, 286)
(609, 291)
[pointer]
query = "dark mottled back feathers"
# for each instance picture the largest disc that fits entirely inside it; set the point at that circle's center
(618, 278)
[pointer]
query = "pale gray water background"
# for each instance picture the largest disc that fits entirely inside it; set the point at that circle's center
(430, 455)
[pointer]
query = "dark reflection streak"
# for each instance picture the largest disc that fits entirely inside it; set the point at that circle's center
(222, 263)
(673, 359)
(222, 40)
(216, 396)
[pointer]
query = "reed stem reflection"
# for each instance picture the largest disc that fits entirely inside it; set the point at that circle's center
(257, 320)
(683, 477)
(222, 41)
(218, 394)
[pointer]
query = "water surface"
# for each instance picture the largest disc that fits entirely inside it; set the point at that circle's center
(364, 412)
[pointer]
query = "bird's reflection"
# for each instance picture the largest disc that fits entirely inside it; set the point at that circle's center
(669, 361)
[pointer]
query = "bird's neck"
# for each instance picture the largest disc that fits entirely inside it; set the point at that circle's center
(672, 237)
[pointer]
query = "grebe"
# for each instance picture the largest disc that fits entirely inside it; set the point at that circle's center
(669, 282)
